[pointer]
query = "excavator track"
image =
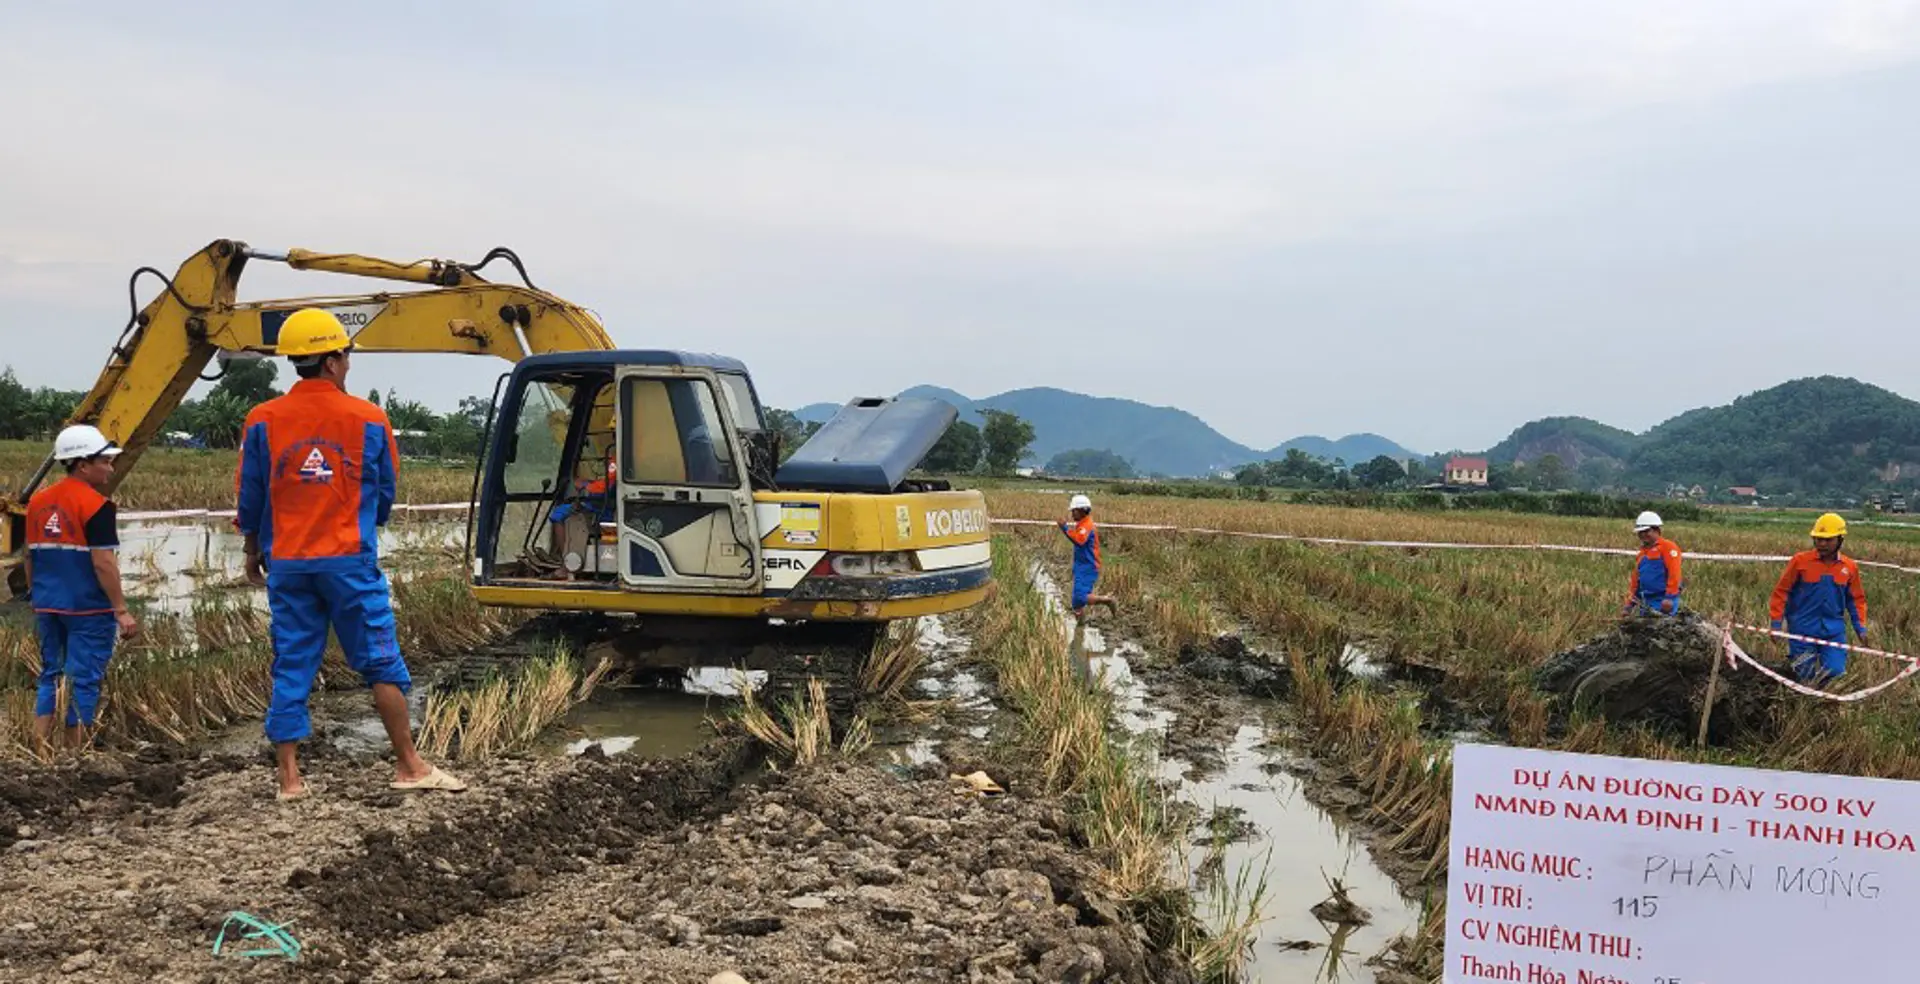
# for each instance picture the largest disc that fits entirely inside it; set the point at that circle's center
(663, 651)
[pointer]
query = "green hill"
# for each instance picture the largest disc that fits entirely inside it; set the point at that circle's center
(1818, 435)
(1352, 449)
(1162, 440)
(1575, 440)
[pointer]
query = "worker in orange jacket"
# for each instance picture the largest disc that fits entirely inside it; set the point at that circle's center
(1654, 587)
(1085, 537)
(1817, 596)
(317, 479)
(73, 577)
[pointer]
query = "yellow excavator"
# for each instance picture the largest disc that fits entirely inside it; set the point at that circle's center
(639, 482)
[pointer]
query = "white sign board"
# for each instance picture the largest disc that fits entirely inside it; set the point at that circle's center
(1588, 869)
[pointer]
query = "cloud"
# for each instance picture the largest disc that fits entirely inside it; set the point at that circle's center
(1178, 204)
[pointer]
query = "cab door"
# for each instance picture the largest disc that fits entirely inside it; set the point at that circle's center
(686, 501)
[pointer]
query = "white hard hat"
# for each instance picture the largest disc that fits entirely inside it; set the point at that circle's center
(82, 441)
(1080, 502)
(1647, 521)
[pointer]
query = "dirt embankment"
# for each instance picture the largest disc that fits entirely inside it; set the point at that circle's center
(581, 869)
(1655, 671)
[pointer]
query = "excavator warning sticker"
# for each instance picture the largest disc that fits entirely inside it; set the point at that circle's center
(903, 521)
(800, 522)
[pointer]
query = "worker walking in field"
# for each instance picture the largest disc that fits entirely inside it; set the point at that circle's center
(1818, 594)
(317, 478)
(73, 574)
(1080, 529)
(1654, 586)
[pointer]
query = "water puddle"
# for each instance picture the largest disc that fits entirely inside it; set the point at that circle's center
(1266, 822)
(666, 715)
(648, 722)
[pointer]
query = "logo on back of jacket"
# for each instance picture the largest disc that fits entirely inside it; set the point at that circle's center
(310, 461)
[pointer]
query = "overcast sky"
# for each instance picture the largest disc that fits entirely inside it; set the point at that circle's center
(1432, 220)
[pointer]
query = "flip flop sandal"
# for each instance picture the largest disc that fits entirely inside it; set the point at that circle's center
(435, 779)
(306, 789)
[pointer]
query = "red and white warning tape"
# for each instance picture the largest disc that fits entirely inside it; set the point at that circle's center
(1437, 545)
(1735, 656)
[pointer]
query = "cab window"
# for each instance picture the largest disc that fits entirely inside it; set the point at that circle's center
(674, 434)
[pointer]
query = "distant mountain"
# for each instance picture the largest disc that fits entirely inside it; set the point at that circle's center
(1823, 434)
(1156, 440)
(1575, 440)
(1352, 449)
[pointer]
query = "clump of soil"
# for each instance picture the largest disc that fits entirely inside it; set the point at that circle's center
(37, 802)
(1339, 907)
(1654, 671)
(1226, 659)
(409, 882)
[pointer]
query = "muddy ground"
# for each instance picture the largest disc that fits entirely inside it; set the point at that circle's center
(587, 868)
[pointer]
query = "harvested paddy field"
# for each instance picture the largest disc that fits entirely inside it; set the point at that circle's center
(1274, 722)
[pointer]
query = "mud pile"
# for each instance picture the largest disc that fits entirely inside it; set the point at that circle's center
(1226, 659)
(1654, 671)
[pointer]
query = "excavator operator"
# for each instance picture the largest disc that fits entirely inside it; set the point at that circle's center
(317, 477)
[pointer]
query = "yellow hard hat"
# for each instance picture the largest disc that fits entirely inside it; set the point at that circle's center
(310, 332)
(1829, 525)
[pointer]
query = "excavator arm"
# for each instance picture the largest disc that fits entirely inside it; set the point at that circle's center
(168, 343)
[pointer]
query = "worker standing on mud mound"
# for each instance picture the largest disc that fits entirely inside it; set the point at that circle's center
(1818, 594)
(318, 474)
(1654, 586)
(1086, 556)
(74, 573)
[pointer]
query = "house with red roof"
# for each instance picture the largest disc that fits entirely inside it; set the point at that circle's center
(1462, 470)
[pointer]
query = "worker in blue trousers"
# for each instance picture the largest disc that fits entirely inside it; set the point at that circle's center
(317, 479)
(73, 573)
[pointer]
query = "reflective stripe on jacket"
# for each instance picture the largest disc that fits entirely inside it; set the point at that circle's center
(58, 517)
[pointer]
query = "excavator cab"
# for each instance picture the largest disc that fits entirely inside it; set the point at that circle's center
(648, 483)
(623, 469)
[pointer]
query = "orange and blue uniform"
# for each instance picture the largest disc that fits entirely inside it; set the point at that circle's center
(317, 479)
(1086, 558)
(66, 522)
(1817, 598)
(1655, 582)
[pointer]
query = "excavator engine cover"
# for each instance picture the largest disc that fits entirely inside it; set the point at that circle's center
(869, 446)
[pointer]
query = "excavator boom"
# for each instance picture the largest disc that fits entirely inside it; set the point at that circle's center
(696, 525)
